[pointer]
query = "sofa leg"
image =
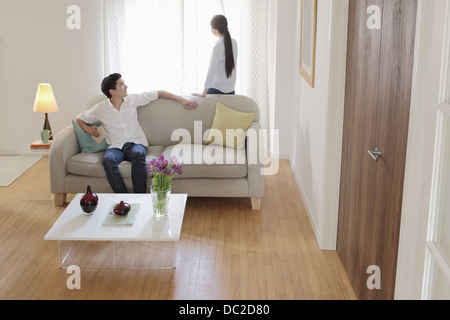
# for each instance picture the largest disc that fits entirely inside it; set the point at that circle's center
(256, 204)
(59, 199)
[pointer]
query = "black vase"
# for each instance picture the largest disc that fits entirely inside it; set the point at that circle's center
(89, 202)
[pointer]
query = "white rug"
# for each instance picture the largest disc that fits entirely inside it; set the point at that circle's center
(12, 167)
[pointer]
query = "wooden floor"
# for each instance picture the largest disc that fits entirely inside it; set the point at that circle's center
(226, 251)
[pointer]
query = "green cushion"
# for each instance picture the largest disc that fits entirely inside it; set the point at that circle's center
(87, 144)
(229, 119)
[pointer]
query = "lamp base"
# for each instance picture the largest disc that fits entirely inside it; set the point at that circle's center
(47, 127)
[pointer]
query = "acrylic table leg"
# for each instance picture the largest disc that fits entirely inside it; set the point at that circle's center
(114, 255)
(174, 255)
(62, 256)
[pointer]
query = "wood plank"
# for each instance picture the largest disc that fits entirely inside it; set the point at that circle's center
(226, 250)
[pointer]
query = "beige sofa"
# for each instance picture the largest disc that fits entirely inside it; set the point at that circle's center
(208, 171)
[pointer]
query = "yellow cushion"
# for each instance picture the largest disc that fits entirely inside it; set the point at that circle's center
(231, 122)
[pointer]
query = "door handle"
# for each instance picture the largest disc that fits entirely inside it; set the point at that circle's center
(375, 154)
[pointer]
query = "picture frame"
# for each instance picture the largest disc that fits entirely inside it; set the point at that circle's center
(308, 30)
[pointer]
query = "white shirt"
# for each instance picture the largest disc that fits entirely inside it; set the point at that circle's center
(122, 126)
(217, 76)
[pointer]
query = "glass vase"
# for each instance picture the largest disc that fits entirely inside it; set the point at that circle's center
(160, 202)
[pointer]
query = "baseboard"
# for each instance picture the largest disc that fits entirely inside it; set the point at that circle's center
(307, 208)
(281, 156)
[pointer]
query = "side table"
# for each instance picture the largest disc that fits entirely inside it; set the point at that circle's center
(39, 148)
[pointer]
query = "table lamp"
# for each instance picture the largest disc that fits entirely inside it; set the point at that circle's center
(45, 103)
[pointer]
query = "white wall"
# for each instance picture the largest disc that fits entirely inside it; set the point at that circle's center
(36, 46)
(317, 119)
(310, 120)
(284, 12)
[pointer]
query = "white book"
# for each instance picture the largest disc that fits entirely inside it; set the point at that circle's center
(102, 136)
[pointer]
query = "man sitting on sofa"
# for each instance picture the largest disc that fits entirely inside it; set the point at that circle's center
(126, 139)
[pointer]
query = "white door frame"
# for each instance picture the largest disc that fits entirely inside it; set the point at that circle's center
(430, 49)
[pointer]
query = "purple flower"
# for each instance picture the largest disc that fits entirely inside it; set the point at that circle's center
(177, 169)
(163, 171)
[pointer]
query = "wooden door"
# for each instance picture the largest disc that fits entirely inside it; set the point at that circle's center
(377, 106)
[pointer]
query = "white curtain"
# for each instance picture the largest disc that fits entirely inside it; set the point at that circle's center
(166, 44)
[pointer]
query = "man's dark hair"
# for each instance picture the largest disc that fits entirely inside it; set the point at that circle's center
(109, 83)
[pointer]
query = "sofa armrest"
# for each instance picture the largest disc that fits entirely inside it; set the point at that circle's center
(256, 154)
(64, 146)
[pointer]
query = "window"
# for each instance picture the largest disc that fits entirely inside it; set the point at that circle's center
(447, 91)
(166, 44)
(437, 275)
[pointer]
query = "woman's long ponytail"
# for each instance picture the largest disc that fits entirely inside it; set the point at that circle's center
(220, 23)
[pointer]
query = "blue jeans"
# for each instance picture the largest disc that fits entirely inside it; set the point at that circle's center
(215, 91)
(135, 153)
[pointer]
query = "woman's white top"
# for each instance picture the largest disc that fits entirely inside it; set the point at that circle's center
(217, 76)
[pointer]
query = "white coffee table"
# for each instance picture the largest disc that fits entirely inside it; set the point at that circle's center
(148, 243)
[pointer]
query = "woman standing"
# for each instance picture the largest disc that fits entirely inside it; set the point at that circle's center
(221, 78)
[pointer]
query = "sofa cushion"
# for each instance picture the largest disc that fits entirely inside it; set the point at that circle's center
(85, 141)
(227, 119)
(90, 164)
(212, 161)
(198, 161)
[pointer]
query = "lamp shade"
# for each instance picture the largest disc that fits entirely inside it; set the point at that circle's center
(45, 99)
